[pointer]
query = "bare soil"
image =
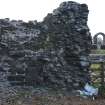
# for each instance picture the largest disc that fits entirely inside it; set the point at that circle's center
(39, 97)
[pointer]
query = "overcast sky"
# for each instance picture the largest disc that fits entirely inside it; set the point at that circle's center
(38, 9)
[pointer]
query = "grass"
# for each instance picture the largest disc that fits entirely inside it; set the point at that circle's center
(95, 66)
(98, 51)
(96, 69)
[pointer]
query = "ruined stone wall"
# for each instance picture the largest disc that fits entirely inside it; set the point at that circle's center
(52, 53)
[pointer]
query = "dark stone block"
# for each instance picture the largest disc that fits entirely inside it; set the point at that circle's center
(102, 46)
(94, 46)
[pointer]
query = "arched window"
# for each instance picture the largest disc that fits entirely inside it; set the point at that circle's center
(99, 40)
(96, 37)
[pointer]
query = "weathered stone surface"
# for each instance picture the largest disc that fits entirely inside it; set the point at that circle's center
(52, 53)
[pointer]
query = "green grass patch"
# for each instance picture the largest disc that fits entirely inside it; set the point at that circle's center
(98, 51)
(95, 66)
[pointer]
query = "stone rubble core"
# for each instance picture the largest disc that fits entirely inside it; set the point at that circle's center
(52, 53)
